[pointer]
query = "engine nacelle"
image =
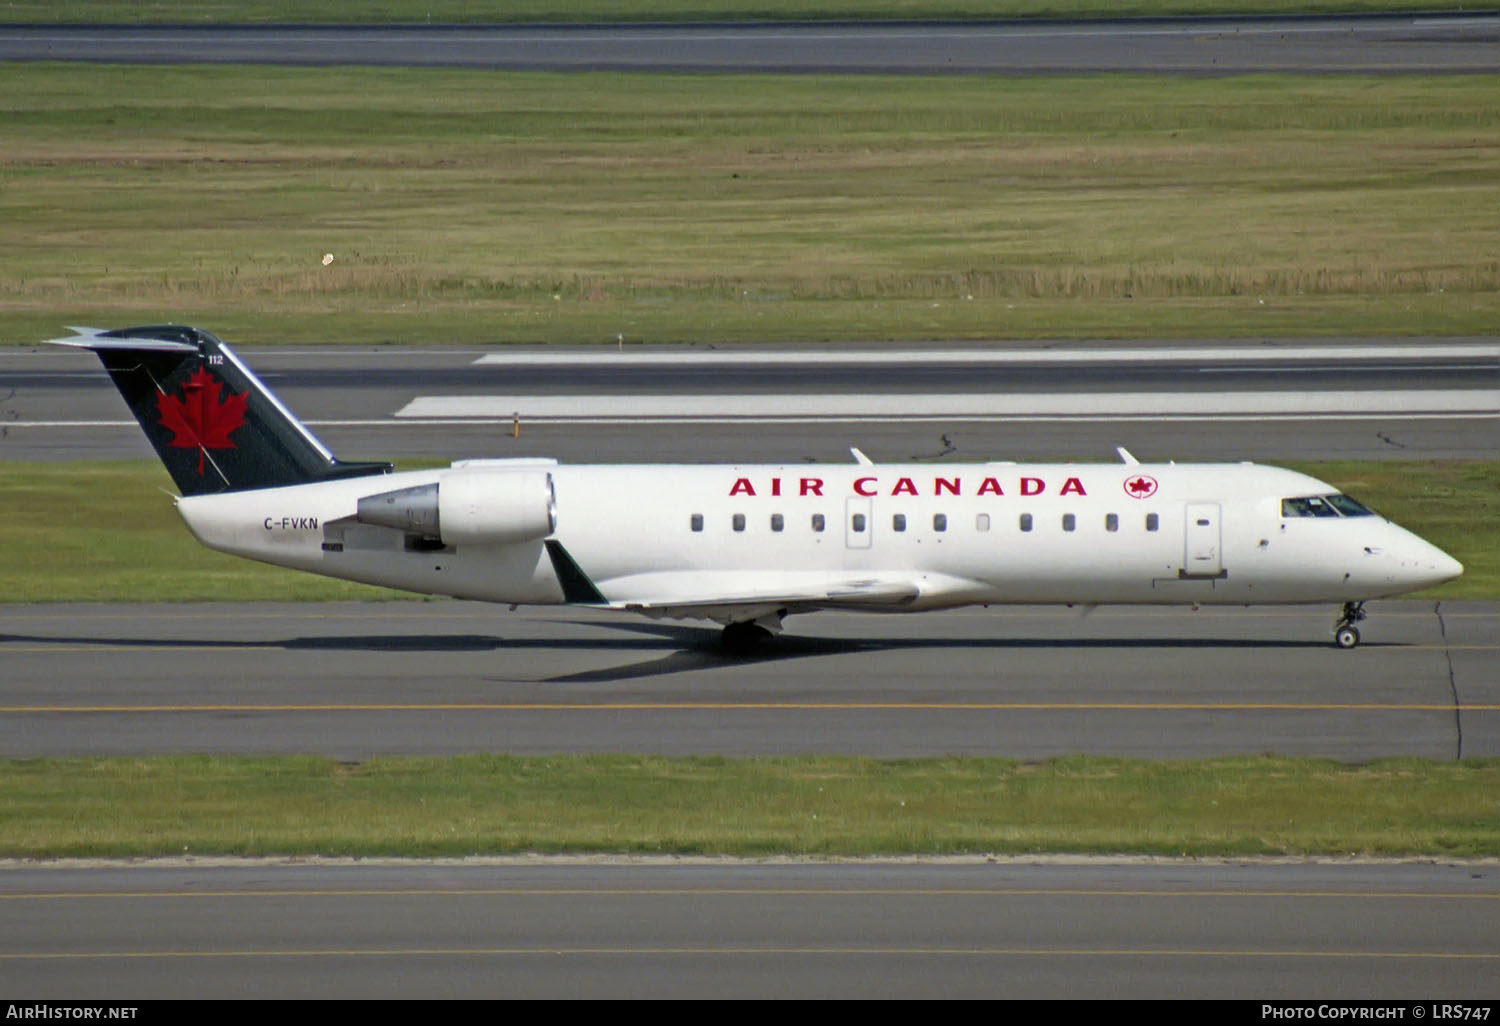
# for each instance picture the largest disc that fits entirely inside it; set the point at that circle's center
(469, 507)
(498, 507)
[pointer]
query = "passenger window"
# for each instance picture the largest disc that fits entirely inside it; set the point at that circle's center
(1025, 521)
(1111, 521)
(898, 522)
(1153, 522)
(777, 522)
(739, 521)
(982, 522)
(940, 521)
(858, 523)
(817, 522)
(697, 521)
(1069, 521)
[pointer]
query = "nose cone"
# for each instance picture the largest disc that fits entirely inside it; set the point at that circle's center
(1445, 566)
(1411, 563)
(1429, 566)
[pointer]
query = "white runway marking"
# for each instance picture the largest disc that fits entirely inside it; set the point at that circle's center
(600, 356)
(1082, 405)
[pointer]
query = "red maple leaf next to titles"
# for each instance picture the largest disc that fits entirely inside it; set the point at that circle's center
(200, 420)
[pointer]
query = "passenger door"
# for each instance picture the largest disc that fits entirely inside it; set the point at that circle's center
(1203, 554)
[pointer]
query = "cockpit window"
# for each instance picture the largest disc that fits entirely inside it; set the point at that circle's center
(1309, 506)
(1348, 506)
(1323, 506)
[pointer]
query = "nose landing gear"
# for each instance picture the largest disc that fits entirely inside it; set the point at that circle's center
(1345, 634)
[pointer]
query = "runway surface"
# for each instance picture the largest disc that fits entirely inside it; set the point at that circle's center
(579, 929)
(1202, 46)
(356, 680)
(1357, 399)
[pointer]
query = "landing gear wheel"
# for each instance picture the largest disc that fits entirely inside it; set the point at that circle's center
(1345, 634)
(743, 638)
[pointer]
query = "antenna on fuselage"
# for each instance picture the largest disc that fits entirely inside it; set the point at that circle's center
(861, 458)
(1125, 457)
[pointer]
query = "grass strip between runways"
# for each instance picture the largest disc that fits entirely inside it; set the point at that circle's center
(497, 804)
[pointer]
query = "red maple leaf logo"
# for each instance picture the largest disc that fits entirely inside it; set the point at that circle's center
(203, 418)
(1142, 487)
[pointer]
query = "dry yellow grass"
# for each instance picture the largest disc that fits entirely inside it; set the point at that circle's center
(479, 207)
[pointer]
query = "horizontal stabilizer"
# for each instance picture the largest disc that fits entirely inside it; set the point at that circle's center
(102, 340)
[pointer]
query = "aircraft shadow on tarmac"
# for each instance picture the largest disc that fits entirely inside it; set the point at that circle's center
(373, 643)
(697, 648)
(701, 649)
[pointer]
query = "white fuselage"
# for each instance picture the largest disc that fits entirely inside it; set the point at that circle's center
(674, 539)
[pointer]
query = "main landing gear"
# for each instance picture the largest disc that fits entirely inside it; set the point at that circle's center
(1345, 634)
(743, 638)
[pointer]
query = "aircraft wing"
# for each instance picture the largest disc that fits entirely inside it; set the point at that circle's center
(737, 596)
(752, 595)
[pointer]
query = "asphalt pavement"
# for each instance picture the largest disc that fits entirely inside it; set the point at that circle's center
(682, 928)
(356, 680)
(1268, 400)
(1420, 43)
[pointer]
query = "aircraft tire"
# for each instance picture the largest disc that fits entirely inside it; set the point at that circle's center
(743, 638)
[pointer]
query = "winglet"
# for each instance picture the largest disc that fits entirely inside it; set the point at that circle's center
(861, 458)
(1126, 458)
(577, 589)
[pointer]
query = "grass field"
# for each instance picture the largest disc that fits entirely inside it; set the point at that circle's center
(810, 805)
(462, 206)
(199, 12)
(108, 532)
(77, 532)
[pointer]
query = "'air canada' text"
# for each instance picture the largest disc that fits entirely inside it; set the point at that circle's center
(937, 486)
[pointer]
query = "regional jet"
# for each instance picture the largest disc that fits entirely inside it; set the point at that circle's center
(746, 546)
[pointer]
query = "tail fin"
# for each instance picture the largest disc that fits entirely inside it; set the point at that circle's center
(211, 420)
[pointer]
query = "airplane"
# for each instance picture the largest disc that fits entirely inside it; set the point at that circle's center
(747, 546)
